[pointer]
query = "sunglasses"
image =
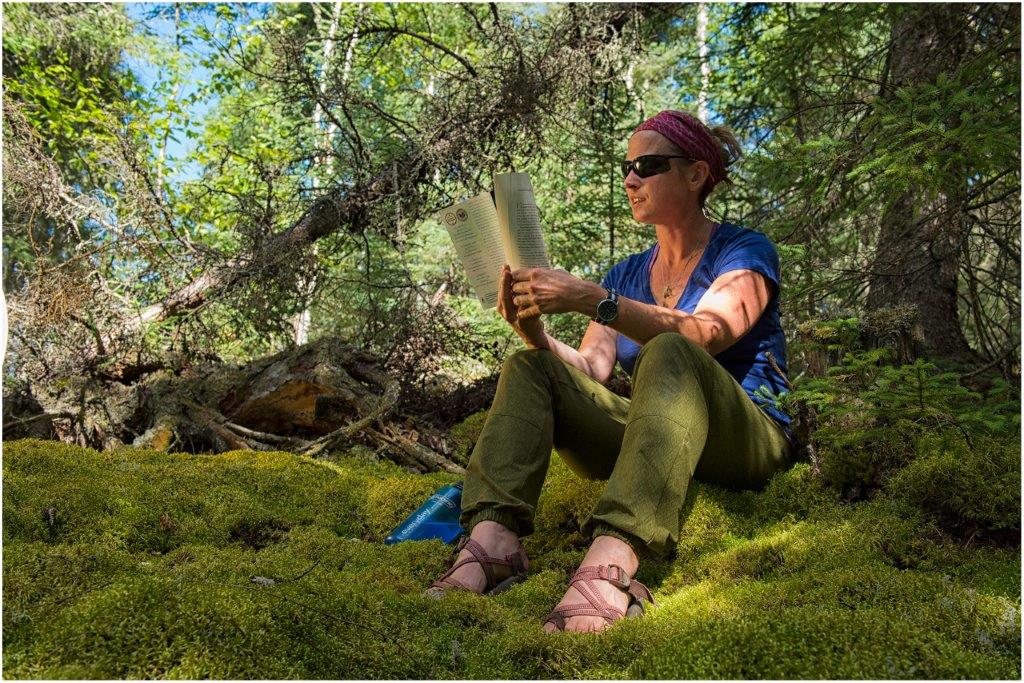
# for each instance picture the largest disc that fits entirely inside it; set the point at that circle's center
(649, 164)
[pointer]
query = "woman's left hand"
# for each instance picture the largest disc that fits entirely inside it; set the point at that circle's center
(544, 290)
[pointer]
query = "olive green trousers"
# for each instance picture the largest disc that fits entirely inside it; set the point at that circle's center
(688, 418)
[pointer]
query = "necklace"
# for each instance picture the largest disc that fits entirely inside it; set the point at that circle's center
(670, 286)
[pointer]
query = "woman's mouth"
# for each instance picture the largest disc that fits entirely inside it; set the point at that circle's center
(635, 200)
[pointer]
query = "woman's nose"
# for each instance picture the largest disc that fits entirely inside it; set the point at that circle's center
(632, 180)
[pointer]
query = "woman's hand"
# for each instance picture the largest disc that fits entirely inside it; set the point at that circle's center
(542, 290)
(531, 329)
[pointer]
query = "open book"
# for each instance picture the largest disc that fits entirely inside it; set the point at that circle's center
(490, 231)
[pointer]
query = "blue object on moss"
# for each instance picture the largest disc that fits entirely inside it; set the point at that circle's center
(436, 518)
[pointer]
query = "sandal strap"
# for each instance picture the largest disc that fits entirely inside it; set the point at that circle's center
(485, 561)
(598, 606)
(615, 575)
(517, 562)
(611, 614)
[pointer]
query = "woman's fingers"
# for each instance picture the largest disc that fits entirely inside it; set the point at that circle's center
(506, 300)
(520, 300)
(528, 312)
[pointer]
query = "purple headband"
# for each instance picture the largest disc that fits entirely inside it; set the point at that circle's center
(691, 136)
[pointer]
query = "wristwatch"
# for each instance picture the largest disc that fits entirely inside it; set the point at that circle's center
(607, 308)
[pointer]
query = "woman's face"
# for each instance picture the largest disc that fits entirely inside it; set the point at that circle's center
(665, 198)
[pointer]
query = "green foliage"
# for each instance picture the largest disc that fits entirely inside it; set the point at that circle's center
(62, 63)
(840, 129)
(859, 591)
(63, 74)
(870, 414)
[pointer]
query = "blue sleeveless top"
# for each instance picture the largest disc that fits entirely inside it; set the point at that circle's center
(730, 248)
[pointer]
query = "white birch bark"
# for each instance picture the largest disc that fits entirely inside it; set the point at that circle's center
(162, 154)
(705, 67)
(303, 319)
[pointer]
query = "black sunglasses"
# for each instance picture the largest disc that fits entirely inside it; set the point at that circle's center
(649, 164)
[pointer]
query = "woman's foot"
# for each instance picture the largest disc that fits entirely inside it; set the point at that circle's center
(498, 541)
(603, 551)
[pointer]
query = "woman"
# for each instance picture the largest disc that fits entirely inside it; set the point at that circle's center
(697, 353)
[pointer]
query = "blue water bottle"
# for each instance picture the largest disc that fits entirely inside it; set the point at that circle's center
(436, 518)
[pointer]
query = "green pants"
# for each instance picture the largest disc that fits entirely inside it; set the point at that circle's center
(688, 418)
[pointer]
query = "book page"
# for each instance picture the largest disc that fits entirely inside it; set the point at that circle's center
(473, 227)
(520, 221)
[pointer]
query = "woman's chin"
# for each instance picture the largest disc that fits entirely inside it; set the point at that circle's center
(642, 217)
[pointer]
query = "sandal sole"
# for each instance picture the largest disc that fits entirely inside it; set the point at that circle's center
(505, 585)
(438, 593)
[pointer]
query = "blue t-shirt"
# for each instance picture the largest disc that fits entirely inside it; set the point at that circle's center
(730, 248)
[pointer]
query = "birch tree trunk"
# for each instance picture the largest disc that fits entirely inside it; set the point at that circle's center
(303, 319)
(705, 67)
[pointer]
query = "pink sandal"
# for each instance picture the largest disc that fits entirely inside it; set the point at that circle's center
(512, 569)
(599, 607)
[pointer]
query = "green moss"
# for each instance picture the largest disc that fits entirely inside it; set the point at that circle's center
(565, 504)
(146, 569)
(967, 490)
(836, 333)
(796, 492)
(463, 436)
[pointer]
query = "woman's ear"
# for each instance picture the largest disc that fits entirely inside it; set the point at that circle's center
(698, 173)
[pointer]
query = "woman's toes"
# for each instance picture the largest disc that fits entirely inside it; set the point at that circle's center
(585, 624)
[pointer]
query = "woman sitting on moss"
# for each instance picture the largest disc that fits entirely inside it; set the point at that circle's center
(692, 319)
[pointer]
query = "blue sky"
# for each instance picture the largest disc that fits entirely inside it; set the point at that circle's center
(179, 148)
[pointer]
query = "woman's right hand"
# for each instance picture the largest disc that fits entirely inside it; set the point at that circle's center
(530, 330)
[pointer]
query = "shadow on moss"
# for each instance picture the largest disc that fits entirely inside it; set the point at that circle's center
(786, 583)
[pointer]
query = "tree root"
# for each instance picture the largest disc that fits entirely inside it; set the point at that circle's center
(425, 457)
(166, 434)
(386, 403)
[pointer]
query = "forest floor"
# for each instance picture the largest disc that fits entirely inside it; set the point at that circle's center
(140, 564)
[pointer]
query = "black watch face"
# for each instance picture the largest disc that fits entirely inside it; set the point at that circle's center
(607, 309)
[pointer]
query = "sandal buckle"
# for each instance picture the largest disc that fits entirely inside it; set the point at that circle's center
(621, 581)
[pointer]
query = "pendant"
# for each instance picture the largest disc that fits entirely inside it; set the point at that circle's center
(667, 293)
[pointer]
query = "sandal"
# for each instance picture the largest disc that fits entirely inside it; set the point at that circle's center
(599, 607)
(512, 570)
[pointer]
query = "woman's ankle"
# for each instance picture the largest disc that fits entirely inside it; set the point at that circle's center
(493, 534)
(612, 550)
(491, 529)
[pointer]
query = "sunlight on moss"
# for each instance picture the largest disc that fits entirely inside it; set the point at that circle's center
(137, 564)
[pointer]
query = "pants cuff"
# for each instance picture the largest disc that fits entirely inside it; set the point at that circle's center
(506, 518)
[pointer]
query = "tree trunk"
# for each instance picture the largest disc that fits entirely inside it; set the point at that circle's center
(705, 67)
(919, 246)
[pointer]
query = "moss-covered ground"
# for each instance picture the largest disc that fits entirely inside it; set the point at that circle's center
(138, 564)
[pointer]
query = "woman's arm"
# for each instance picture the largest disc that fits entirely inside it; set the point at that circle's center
(727, 311)
(596, 355)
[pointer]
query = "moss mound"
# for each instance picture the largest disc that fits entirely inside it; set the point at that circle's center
(136, 564)
(967, 490)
